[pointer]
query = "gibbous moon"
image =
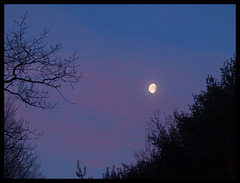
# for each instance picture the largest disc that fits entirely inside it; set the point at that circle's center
(152, 88)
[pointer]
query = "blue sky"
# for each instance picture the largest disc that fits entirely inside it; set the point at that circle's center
(191, 26)
(122, 49)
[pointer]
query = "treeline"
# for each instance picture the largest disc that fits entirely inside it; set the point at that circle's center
(201, 144)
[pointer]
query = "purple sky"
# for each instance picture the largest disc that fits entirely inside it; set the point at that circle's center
(122, 49)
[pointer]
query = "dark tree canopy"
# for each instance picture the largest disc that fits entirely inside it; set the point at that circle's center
(201, 144)
(31, 67)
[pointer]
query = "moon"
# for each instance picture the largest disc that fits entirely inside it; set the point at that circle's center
(152, 88)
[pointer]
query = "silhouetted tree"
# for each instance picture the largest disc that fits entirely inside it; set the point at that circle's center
(210, 129)
(79, 173)
(201, 144)
(114, 174)
(20, 157)
(31, 67)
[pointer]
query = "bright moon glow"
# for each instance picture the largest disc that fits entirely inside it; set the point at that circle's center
(152, 88)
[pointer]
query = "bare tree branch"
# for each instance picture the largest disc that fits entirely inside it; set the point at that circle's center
(20, 157)
(31, 64)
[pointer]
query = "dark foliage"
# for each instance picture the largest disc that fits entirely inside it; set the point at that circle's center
(201, 144)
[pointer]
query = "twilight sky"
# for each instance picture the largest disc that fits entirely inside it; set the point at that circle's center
(122, 50)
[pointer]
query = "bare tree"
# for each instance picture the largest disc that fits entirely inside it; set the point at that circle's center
(20, 157)
(79, 173)
(31, 67)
